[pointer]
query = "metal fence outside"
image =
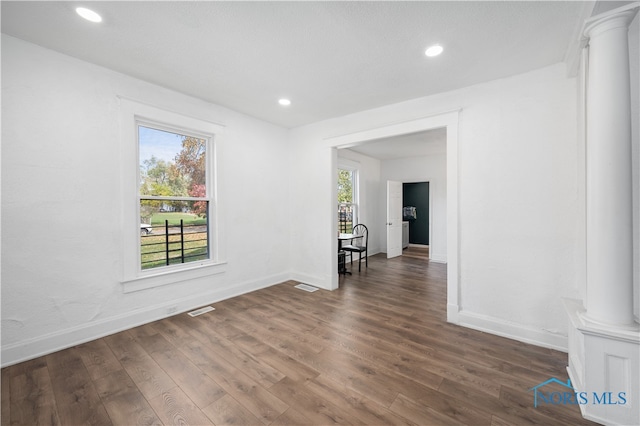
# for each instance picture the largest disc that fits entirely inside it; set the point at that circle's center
(174, 244)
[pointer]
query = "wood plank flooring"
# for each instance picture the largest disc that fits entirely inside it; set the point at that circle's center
(378, 351)
(419, 252)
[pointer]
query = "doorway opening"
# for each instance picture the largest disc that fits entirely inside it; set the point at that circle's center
(449, 239)
(399, 175)
(416, 219)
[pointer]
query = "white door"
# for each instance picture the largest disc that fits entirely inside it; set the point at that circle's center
(394, 219)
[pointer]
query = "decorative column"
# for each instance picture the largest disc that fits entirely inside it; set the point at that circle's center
(609, 196)
(604, 339)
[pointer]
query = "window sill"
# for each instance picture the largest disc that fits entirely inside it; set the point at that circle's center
(158, 279)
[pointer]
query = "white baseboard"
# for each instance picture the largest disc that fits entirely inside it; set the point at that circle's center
(512, 331)
(309, 279)
(323, 282)
(43, 345)
(371, 252)
(438, 258)
(452, 314)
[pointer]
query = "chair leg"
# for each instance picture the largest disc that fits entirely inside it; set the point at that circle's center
(366, 258)
(359, 261)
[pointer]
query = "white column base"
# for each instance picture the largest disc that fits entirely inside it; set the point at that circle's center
(604, 362)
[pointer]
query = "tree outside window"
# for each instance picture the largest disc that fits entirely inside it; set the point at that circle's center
(347, 206)
(174, 205)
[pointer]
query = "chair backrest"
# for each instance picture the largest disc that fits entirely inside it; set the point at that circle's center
(360, 229)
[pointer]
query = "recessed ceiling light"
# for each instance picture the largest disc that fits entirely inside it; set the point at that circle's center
(284, 102)
(88, 14)
(434, 50)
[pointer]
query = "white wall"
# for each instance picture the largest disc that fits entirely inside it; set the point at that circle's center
(518, 186)
(519, 197)
(61, 203)
(369, 194)
(431, 168)
(634, 56)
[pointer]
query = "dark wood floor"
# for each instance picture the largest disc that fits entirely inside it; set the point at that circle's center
(419, 252)
(376, 352)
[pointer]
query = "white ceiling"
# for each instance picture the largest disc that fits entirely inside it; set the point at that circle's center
(418, 144)
(329, 58)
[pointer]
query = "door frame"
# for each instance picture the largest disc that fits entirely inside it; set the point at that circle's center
(449, 120)
(388, 221)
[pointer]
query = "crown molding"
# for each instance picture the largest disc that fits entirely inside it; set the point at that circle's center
(572, 54)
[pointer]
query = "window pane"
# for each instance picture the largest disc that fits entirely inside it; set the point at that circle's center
(345, 186)
(347, 209)
(173, 232)
(171, 164)
(346, 216)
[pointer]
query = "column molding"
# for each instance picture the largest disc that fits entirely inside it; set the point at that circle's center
(609, 296)
(604, 338)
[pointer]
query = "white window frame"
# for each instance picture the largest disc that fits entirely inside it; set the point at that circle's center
(134, 114)
(353, 167)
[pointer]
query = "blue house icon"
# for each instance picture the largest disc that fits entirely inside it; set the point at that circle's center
(551, 380)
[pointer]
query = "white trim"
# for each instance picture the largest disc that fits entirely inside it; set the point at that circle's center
(448, 119)
(320, 282)
(510, 330)
(43, 345)
(453, 312)
(176, 274)
(602, 17)
(169, 198)
(143, 104)
(453, 213)
(392, 129)
(309, 279)
(432, 187)
(133, 113)
(574, 50)
(437, 259)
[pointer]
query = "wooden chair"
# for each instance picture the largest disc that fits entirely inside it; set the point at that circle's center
(359, 245)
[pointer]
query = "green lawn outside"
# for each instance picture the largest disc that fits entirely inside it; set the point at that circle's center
(195, 244)
(345, 227)
(158, 219)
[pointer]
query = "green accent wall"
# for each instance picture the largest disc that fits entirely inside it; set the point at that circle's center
(417, 195)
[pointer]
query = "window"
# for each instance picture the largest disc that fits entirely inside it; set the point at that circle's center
(347, 199)
(173, 197)
(170, 226)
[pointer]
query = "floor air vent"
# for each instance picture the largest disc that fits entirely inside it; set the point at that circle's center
(201, 311)
(306, 287)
